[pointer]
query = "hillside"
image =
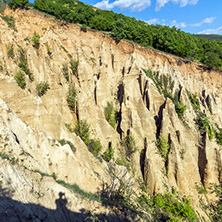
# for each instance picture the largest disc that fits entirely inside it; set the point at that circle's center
(115, 131)
(211, 37)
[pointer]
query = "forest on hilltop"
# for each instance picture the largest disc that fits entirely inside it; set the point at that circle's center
(164, 38)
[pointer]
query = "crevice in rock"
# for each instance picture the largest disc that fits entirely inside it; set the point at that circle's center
(202, 160)
(143, 157)
(95, 97)
(129, 70)
(120, 96)
(100, 61)
(158, 119)
(178, 136)
(77, 110)
(112, 61)
(123, 71)
(16, 138)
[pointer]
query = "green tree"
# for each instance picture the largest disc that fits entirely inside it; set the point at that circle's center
(18, 4)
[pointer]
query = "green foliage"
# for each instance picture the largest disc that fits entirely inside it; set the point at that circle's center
(69, 127)
(219, 137)
(168, 207)
(49, 50)
(163, 147)
(164, 38)
(94, 146)
(108, 154)
(181, 109)
(18, 4)
(63, 142)
(123, 162)
(35, 40)
(65, 71)
(42, 88)
(165, 85)
(1, 67)
(129, 145)
(217, 213)
(71, 97)
(23, 63)
(10, 21)
(84, 28)
(194, 100)
(3, 6)
(110, 114)
(82, 130)
(20, 79)
(10, 51)
(74, 67)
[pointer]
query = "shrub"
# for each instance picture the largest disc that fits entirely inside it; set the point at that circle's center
(41, 88)
(49, 50)
(84, 28)
(18, 4)
(109, 154)
(71, 97)
(23, 64)
(10, 51)
(203, 122)
(163, 147)
(74, 67)
(170, 207)
(20, 79)
(10, 21)
(110, 114)
(65, 71)
(82, 130)
(123, 162)
(35, 40)
(219, 137)
(181, 109)
(129, 144)
(94, 146)
(63, 142)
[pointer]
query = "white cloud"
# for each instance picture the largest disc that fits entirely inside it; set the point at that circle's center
(211, 31)
(153, 21)
(204, 21)
(133, 5)
(183, 3)
(178, 25)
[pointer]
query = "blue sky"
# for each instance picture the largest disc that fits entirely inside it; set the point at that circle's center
(194, 16)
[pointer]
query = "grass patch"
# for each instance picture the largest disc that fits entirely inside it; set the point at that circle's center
(20, 79)
(42, 88)
(63, 142)
(10, 21)
(10, 51)
(71, 97)
(110, 114)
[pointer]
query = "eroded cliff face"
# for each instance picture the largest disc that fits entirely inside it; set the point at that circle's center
(107, 72)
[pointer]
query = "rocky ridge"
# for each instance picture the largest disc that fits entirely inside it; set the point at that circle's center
(107, 72)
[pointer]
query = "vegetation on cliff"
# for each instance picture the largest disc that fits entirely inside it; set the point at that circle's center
(164, 38)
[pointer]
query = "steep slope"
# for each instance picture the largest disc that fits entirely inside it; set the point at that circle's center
(114, 73)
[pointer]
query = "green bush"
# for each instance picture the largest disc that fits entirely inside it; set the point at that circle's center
(129, 145)
(49, 50)
(18, 4)
(217, 211)
(82, 130)
(23, 63)
(42, 88)
(20, 79)
(163, 147)
(109, 154)
(10, 51)
(181, 109)
(63, 142)
(219, 137)
(65, 71)
(74, 67)
(35, 40)
(110, 114)
(123, 162)
(169, 207)
(94, 146)
(71, 97)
